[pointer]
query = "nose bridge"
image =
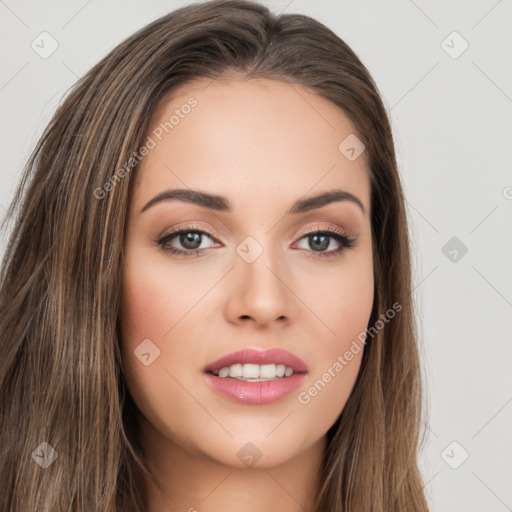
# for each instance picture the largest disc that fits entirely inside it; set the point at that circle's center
(260, 260)
(261, 290)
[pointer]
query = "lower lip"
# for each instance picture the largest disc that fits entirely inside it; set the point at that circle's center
(255, 393)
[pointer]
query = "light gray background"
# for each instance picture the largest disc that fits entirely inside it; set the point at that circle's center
(453, 128)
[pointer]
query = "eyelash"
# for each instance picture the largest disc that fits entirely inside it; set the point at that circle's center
(345, 241)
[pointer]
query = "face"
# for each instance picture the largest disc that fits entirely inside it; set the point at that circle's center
(248, 270)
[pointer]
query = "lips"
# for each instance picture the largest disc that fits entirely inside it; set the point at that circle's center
(251, 356)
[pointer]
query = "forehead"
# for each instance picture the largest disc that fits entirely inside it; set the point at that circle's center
(250, 138)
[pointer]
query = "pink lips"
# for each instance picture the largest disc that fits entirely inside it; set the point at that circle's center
(250, 356)
(256, 393)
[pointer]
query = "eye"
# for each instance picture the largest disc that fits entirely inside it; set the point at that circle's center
(191, 239)
(319, 240)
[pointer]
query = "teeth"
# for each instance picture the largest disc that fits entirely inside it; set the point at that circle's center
(236, 370)
(255, 372)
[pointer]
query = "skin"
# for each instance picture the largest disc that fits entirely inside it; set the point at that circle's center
(262, 144)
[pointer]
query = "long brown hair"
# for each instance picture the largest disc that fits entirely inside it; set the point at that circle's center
(61, 374)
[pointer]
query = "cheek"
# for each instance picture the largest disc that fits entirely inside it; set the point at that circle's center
(341, 299)
(156, 297)
(141, 308)
(350, 313)
(154, 305)
(145, 318)
(344, 305)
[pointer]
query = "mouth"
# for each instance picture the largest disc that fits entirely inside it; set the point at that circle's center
(252, 364)
(256, 377)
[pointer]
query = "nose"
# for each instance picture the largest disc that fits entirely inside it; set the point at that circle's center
(261, 292)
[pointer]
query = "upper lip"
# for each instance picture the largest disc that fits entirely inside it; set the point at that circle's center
(251, 356)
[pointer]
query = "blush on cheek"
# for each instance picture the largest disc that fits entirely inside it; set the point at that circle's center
(145, 305)
(345, 307)
(135, 317)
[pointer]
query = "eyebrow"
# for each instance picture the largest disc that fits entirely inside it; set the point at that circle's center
(222, 204)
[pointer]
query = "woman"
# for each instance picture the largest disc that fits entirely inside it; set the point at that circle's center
(206, 296)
